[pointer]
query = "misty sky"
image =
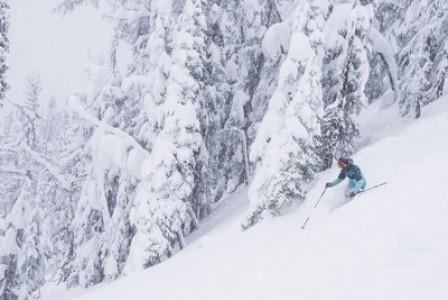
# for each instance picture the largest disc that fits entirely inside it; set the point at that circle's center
(56, 47)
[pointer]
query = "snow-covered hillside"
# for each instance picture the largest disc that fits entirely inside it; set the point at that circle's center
(389, 243)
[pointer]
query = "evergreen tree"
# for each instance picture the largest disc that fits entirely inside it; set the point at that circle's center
(86, 267)
(99, 220)
(4, 47)
(164, 209)
(236, 95)
(419, 30)
(22, 254)
(285, 146)
(39, 210)
(11, 242)
(422, 58)
(346, 74)
(30, 261)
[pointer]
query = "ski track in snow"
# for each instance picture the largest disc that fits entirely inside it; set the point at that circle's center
(389, 243)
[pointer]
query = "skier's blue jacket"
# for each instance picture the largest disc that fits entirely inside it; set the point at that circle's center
(353, 172)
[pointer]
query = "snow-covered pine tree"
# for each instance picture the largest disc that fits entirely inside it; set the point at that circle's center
(101, 217)
(126, 105)
(346, 73)
(41, 190)
(379, 79)
(30, 258)
(224, 172)
(102, 232)
(61, 137)
(11, 242)
(4, 47)
(122, 103)
(26, 272)
(164, 205)
(418, 28)
(284, 149)
(27, 206)
(423, 59)
(119, 233)
(86, 267)
(30, 111)
(238, 78)
(8, 187)
(274, 46)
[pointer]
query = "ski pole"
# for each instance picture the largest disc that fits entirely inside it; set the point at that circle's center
(307, 219)
(320, 197)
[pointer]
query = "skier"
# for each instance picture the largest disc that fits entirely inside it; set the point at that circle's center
(353, 172)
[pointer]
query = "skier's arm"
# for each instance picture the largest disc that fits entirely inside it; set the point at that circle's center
(338, 180)
(335, 182)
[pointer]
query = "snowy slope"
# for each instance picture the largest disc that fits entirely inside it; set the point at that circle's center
(389, 243)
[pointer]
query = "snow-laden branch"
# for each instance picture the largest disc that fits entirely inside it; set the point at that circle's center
(8, 149)
(382, 46)
(22, 110)
(76, 107)
(51, 168)
(12, 171)
(245, 150)
(40, 159)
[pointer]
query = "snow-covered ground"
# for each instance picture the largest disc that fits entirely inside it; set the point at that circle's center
(389, 243)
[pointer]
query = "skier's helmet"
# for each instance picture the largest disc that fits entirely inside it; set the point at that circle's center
(343, 162)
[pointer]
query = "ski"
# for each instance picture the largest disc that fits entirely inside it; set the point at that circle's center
(371, 188)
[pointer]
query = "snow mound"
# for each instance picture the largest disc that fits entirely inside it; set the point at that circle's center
(276, 40)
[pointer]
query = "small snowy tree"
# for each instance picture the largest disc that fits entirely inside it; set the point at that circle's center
(30, 111)
(9, 274)
(22, 253)
(30, 262)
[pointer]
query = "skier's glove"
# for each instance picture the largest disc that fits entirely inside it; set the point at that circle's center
(352, 194)
(328, 184)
